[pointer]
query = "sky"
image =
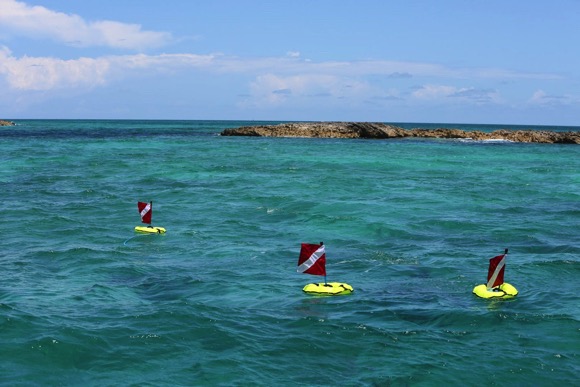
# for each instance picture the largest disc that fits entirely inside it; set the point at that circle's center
(445, 61)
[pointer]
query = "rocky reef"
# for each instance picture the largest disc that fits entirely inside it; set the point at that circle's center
(6, 123)
(385, 131)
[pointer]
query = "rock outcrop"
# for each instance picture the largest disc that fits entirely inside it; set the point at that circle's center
(379, 130)
(6, 123)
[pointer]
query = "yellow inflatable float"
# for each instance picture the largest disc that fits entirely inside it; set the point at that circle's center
(150, 229)
(328, 289)
(504, 290)
(312, 260)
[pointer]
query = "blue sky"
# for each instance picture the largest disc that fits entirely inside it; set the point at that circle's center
(447, 61)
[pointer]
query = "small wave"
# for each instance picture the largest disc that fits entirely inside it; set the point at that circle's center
(487, 141)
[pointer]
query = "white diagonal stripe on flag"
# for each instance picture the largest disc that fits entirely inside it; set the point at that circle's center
(145, 210)
(496, 272)
(310, 261)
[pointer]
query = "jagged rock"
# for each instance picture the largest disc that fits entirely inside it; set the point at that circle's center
(379, 130)
(319, 129)
(6, 123)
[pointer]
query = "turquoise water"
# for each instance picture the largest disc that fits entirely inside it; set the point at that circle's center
(410, 224)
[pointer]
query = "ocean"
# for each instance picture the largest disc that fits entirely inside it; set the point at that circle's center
(216, 301)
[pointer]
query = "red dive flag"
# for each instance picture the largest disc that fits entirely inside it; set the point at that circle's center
(312, 259)
(145, 210)
(496, 271)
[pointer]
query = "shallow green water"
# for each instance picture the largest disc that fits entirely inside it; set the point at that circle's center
(410, 224)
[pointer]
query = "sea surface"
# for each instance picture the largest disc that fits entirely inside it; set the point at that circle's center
(216, 301)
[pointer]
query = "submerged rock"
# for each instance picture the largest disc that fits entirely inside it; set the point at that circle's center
(379, 130)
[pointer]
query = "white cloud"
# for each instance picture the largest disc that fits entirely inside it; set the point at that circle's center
(271, 89)
(40, 22)
(463, 94)
(272, 80)
(45, 73)
(265, 88)
(29, 73)
(540, 97)
(430, 92)
(394, 70)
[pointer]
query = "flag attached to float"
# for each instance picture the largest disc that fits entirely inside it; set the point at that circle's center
(495, 286)
(312, 259)
(496, 271)
(145, 210)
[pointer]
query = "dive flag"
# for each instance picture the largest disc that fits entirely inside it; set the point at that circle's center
(496, 271)
(145, 211)
(312, 259)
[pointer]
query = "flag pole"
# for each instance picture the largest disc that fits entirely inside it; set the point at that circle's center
(325, 282)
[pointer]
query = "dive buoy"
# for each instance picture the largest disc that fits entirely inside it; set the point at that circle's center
(504, 290)
(150, 229)
(496, 287)
(312, 260)
(146, 212)
(328, 289)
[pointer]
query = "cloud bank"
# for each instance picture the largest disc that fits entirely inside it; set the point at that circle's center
(45, 73)
(41, 23)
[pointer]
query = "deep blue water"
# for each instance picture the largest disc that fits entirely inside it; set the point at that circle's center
(409, 223)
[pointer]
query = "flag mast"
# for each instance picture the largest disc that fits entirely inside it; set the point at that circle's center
(325, 282)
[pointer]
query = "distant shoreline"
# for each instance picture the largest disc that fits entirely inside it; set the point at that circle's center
(385, 131)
